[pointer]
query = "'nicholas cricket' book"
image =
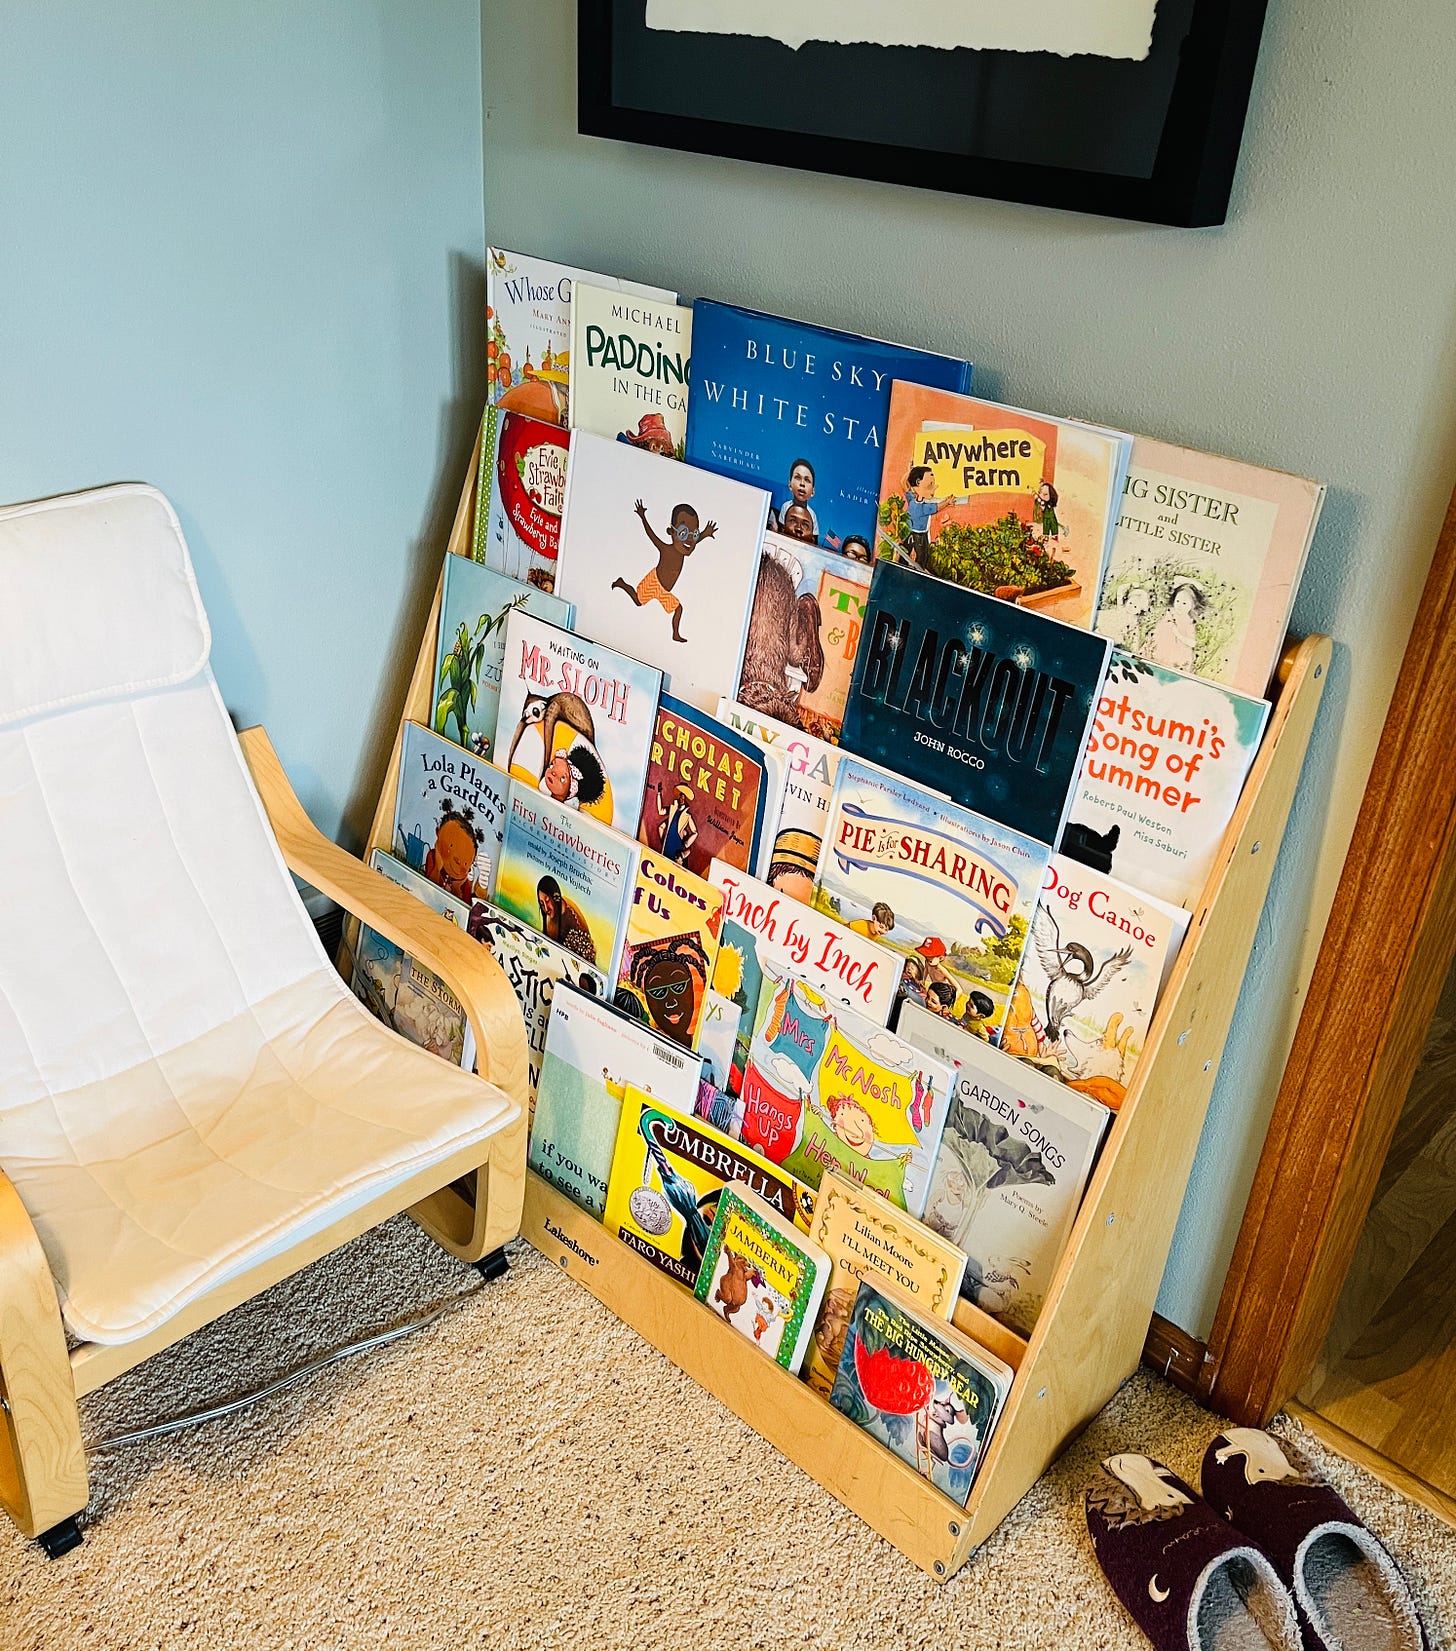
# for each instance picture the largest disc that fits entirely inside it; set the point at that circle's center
(706, 791)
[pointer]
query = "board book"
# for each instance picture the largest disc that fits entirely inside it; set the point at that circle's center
(449, 814)
(706, 793)
(670, 948)
(520, 488)
(630, 360)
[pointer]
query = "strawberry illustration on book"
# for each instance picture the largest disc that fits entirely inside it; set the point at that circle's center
(656, 585)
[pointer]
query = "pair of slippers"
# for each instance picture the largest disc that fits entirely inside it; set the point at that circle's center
(1269, 1556)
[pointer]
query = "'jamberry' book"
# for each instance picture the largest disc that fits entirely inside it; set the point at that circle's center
(449, 814)
(670, 949)
(706, 791)
(520, 487)
(801, 410)
(984, 701)
(629, 367)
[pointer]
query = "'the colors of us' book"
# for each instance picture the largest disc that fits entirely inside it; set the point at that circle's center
(1166, 761)
(575, 720)
(801, 410)
(449, 814)
(763, 1276)
(920, 1387)
(520, 488)
(706, 791)
(984, 701)
(1205, 563)
(1012, 1167)
(630, 359)
(671, 947)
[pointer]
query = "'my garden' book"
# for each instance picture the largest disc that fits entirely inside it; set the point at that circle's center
(630, 360)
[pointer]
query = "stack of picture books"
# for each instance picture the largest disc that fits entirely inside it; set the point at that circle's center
(833, 761)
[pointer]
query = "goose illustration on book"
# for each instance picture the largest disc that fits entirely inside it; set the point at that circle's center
(1073, 975)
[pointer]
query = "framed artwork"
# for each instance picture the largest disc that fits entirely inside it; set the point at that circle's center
(1127, 108)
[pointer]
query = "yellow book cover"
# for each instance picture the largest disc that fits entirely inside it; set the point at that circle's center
(671, 946)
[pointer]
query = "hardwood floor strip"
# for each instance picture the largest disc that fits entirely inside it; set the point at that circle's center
(1387, 1472)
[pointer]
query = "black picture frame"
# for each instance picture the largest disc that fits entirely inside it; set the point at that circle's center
(1189, 100)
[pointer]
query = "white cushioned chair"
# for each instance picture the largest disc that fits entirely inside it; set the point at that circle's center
(192, 1103)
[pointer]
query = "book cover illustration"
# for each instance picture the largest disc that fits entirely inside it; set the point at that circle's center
(1205, 563)
(984, 701)
(670, 947)
(706, 792)
(575, 721)
(801, 410)
(528, 330)
(660, 561)
(520, 488)
(567, 876)
(668, 1170)
(591, 1054)
(864, 1237)
(1166, 761)
(922, 1389)
(718, 1040)
(474, 604)
(630, 359)
(949, 892)
(763, 1276)
(1017, 505)
(1090, 979)
(1014, 1161)
(449, 814)
(803, 631)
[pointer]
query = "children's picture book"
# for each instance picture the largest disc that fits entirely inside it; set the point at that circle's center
(474, 604)
(668, 1169)
(763, 1276)
(567, 876)
(1016, 505)
(591, 1054)
(670, 948)
(1090, 979)
(1166, 761)
(660, 561)
(706, 792)
(864, 1237)
(801, 411)
(520, 488)
(950, 892)
(718, 1040)
(575, 721)
(1013, 1164)
(924, 1390)
(528, 330)
(449, 814)
(803, 631)
(630, 359)
(984, 701)
(1205, 563)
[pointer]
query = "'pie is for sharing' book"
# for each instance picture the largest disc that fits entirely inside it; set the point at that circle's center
(670, 949)
(706, 792)
(801, 410)
(630, 359)
(575, 720)
(520, 488)
(982, 700)
(660, 560)
(763, 1276)
(449, 814)
(1166, 761)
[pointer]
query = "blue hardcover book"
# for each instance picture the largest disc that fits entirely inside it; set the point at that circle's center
(801, 410)
(982, 700)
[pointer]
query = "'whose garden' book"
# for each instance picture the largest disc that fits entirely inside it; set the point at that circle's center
(449, 814)
(630, 359)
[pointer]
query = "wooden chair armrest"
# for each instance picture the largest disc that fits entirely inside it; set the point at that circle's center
(465, 966)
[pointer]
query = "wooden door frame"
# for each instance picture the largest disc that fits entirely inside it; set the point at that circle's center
(1381, 967)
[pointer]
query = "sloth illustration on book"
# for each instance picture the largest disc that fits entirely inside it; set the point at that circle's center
(657, 584)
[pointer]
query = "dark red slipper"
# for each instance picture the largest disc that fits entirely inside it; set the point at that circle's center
(1188, 1580)
(1347, 1589)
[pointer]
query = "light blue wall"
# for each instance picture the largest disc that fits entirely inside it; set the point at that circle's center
(240, 256)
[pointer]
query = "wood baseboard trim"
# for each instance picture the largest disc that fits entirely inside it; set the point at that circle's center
(1181, 1358)
(1387, 1472)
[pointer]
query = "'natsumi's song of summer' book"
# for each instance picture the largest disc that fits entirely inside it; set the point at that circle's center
(449, 814)
(706, 791)
(630, 360)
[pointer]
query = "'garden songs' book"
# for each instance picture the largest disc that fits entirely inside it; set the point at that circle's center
(801, 410)
(1205, 563)
(629, 367)
(984, 701)
(520, 488)
(706, 790)
(575, 720)
(670, 949)
(660, 560)
(449, 814)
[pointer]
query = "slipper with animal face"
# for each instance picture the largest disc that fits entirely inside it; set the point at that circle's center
(1347, 1589)
(1189, 1581)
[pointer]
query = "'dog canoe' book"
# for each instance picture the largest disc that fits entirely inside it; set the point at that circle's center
(670, 949)
(929, 1393)
(950, 892)
(981, 700)
(801, 410)
(520, 488)
(706, 792)
(1166, 761)
(470, 651)
(575, 720)
(1205, 563)
(763, 1276)
(1013, 504)
(660, 560)
(449, 814)
(568, 876)
(591, 1054)
(803, 632)
(630, 359)
(1013, 1164)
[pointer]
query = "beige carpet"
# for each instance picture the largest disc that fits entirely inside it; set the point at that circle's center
(526, 1472)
